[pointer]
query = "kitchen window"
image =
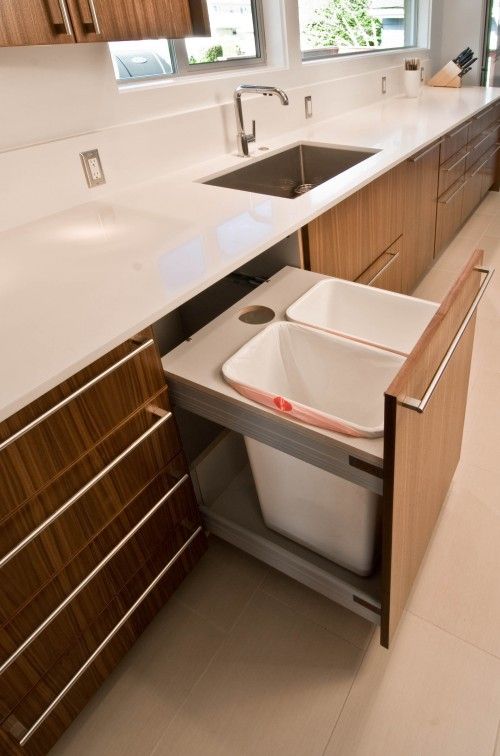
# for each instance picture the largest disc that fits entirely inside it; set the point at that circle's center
(329, 28)
(237, 40)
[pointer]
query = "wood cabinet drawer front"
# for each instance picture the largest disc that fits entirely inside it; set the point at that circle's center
(449, 214)
(489, 169)
(472, 191)
(454, 141)
(481, 122)
(480, 145)
(77, 602)
(452, 170)
(386, 271)
(61, 530)
(344, 241)
(32, 460)
(81, 671)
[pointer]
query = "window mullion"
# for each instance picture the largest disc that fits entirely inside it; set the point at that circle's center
(181, 57)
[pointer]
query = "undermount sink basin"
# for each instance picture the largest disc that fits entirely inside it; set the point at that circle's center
(315, 377)
(292, 172)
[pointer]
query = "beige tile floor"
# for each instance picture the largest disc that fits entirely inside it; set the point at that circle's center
(244, 661)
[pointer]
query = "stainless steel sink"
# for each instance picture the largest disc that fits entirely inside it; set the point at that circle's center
(292, 172)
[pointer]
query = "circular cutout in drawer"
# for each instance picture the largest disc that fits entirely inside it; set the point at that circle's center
(256, 315)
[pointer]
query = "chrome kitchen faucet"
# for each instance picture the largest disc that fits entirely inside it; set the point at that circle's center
(242, 137)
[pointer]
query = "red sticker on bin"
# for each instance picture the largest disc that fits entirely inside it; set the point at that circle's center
(282, 404)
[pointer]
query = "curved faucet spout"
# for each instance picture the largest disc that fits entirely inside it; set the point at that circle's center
(242, 137)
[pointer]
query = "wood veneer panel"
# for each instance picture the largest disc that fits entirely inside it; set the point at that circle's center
(420, 215)
(139, 19)
(346, 240)
(449, 215)
(421, 451)
(454, 141)
(387, 270)
(40, 560)
(41, 454)
(168, 529)
(86, 686)
(32, 22)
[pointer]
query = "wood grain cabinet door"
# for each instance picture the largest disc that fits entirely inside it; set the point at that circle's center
(424, 421)
(115, 20)
(420, 215)
(346, 240)
(34, 22)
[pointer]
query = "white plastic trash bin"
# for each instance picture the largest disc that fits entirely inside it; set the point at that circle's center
(372, 316)
(327, 514)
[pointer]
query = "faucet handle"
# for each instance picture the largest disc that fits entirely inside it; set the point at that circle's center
(251, 137)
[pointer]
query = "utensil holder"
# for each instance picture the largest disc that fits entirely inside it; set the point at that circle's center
(412, 83)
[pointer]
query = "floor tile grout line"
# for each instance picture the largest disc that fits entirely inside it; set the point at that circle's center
(453, 635)
(314, 622)
(363, 656)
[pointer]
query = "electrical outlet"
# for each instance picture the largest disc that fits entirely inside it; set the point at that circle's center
(384, 84)
(92, 168)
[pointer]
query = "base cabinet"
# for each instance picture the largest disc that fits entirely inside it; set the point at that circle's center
(345, 241)
(99, 526)
(421, 192)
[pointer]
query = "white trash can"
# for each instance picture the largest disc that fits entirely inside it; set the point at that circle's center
(327, 514)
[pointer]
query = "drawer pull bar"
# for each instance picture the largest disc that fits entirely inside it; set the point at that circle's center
(75, 394)
(41, 719)
(69, 503)
(419, 405)
(457, 131)
(475, 147)
(426, 152)
(457, 162)
(382, 270)
(91, 575)
(447, 201)
(485, 161)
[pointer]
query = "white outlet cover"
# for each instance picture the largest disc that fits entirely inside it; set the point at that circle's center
(92, 168)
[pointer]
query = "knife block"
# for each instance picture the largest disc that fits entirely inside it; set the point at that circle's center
(447, 76)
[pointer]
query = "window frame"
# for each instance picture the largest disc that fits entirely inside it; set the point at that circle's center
(184, 69)
(411, 27)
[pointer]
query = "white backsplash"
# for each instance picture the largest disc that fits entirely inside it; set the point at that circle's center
(40, 179)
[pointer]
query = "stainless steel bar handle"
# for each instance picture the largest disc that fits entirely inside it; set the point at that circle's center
(481, 141)
(78, 495)
(69, 598)
(95, 20)
(382, 270)
(449, 199)
(485, 161)
(41, 719)
(74, 395)
(65, 17)
(426, 152)
(457, 131)
(419, 405)
(457, 162)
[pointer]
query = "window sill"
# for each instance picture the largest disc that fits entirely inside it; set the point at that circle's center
(180, 81)
(363, 55)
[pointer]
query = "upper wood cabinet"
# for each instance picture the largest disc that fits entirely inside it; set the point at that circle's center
(45, 22)
(115, 20)
(34, 22)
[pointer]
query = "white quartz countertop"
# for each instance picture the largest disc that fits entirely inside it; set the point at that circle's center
(77, 283)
